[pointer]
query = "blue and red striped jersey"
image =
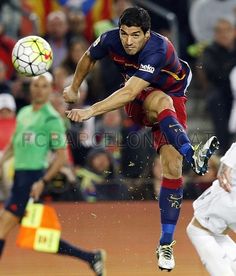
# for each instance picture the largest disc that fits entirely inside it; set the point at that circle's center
(156, 63)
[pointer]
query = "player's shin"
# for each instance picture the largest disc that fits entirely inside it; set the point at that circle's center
(170, 200)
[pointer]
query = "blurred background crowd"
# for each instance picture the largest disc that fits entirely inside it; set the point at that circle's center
(110, 157)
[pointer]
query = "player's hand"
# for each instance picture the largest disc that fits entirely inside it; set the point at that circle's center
(37, 189)
(79, 115)
(70, 95)
(224, 177)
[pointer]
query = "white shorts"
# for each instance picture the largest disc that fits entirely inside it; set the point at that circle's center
(215, 209)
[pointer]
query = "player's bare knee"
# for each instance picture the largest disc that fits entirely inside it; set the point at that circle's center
(156, 102)
(165, 102)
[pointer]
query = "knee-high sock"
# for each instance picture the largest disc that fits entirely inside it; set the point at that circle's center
(2, 244)
(175, 133)
(67, 249)
(170, 199)
(212, 255)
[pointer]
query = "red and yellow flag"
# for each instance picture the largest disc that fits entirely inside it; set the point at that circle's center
(40, 229)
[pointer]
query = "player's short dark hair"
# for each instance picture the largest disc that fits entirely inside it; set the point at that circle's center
(137, 17)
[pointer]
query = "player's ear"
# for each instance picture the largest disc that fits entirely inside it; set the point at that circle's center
(147, 34)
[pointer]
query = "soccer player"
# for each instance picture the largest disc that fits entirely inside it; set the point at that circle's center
(214, 214)
(153, 95)
(39, 129)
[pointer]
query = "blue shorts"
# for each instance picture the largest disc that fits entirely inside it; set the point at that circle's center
(23, 181)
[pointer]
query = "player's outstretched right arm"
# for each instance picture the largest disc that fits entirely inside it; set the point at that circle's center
(84, 66)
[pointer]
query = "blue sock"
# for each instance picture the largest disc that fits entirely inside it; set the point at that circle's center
(175, 133)
(187, 152)
(167, 233)
(69, 250)
(170, 203)
(2, 243)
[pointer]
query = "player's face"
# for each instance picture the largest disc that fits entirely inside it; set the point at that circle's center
(133, 39)
(40, 89)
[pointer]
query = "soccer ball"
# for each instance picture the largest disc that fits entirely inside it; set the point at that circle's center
(32, 56)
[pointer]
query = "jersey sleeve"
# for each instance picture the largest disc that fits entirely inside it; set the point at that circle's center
(229, 158)
(99, 48)
(150, 66)
(57, 133)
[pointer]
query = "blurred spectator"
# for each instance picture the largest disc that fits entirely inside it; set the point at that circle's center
(7, 118)
(6, 46)
(146, 185)
(57, 36)
(81, 135)
(20, 91)
(59, 104)
(11, 10)
(232, 119)
(81, 138)
(93, 10)
(136, 150)
(109, 134)
(77, 24)
(7, 128)
(195, 185)
(18, 18)
(77, 47)
(118, 6)
(4, 83)
(60, 75)
(98, 180)
(204, 15)
(40, 9)
(217, 61)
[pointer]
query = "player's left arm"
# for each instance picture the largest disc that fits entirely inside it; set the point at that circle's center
(116, 100)
(57, 142)
(57, 164)
(224, 177)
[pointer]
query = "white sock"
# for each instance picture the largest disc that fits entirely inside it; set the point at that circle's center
(212, 255)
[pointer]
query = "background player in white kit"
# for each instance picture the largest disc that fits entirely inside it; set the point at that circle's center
(214, 214)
